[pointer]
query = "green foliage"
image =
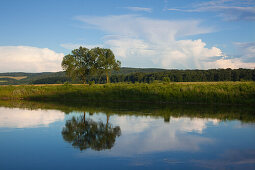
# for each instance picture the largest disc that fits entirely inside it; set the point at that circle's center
(104, 61)
(83, 62)
(67, 84)
(214, 93)
(79, 64)
(91, 82)
(166, 79)
(133, 75)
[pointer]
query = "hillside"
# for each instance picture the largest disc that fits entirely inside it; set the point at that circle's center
(16, 78)
(126, 74)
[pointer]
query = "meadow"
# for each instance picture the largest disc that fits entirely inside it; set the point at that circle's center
(184, 93)
(15, 78)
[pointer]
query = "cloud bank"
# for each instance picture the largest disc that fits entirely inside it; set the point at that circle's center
(143, 42)
(29, 59)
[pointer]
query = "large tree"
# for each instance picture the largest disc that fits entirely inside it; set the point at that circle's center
(83, 62)
(105, 61)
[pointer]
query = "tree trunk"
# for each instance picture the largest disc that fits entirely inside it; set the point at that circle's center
(84, 119)
(107, 121)
(107, 77)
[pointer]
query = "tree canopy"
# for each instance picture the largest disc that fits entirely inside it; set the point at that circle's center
(83, 62)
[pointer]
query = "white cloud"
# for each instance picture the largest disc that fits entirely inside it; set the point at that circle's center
(139, 9)
(230, 63)
(29, 59)
(19, 118)
(247, 50)
(143, 42)
(230, 10)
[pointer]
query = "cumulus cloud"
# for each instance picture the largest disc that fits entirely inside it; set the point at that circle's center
(230, 63)
(139, 9)
(29, 59)
(19, 118)
(144, 42)
(230, 10)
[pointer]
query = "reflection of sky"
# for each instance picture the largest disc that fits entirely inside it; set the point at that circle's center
(146, 142)
(145, 134)
(19, 118)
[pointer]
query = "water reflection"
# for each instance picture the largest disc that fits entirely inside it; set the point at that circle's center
(145, 134)
(128, 137)
(86, 133)
(22, 118)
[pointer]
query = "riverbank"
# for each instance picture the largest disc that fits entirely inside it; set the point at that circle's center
(197, 93)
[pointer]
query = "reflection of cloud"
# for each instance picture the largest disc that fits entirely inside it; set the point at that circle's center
(192, 125)
(147, 134)
(18, 118)
(139, 124)
(230, 160)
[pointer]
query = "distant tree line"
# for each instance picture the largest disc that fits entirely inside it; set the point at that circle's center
(166, 76)
(52, 80)
(184, 76)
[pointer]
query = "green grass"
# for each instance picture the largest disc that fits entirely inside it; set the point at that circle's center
(12, 77)
(204, 93)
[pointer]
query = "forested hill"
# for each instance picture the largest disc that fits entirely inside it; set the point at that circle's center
(125, 74)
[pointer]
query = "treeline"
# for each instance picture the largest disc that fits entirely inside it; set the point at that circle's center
(166, 76)
(133, 75)
(183, 76)
(52, 80)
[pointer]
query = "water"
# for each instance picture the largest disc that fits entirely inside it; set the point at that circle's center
(40, 136)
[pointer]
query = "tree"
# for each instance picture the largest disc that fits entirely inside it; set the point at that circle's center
(79, 64)
(105, 61)
(83, 62)
(85, 134)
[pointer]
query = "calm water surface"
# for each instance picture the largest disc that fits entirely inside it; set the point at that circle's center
(35, 138)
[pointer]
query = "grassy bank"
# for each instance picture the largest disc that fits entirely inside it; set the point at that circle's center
(205, 93)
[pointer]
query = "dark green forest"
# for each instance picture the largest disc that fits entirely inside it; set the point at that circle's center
(145, 75)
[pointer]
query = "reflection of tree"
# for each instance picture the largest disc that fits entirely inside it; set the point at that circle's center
(85, 134)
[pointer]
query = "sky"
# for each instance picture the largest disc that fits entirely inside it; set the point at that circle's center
(170, 34)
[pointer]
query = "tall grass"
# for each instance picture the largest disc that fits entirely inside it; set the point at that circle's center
(206, 93)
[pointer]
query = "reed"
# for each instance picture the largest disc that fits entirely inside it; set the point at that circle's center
(202, 93)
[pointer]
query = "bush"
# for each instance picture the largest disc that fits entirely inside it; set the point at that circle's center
(91, 83)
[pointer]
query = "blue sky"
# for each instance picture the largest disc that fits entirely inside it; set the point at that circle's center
(171, 34)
